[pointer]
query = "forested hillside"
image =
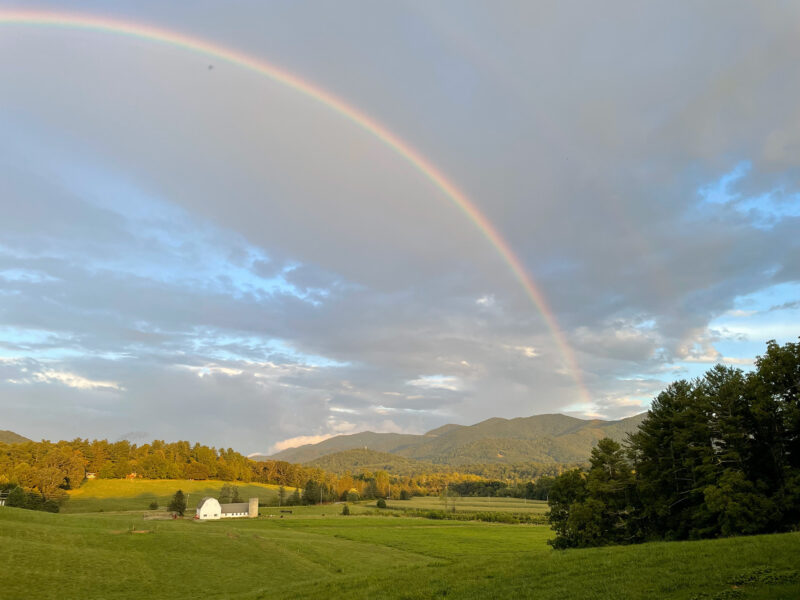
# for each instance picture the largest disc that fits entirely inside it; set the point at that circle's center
(542, 439)
(9, 437)
(380, 442)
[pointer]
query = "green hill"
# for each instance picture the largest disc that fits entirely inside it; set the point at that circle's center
(9, 437)
(551, 438)
(381, 442)
(361, 459)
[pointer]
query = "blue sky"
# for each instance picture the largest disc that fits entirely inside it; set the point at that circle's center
(201, 253)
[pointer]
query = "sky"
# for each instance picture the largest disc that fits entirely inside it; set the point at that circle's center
(192, 250)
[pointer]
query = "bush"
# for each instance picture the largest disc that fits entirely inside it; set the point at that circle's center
(381, 503)
(154, 505)
(345, 510)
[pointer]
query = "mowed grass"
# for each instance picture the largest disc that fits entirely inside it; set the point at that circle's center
(469, 504)
(92, 556)
(136, 494)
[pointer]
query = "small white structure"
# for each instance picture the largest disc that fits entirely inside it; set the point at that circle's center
(209, 509)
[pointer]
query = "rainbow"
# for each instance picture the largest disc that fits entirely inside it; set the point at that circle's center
(250, 63)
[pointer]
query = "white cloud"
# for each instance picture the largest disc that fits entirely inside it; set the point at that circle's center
(527, 351)
(300, 440)
(485, 300)
(28, 372)
(438, 382)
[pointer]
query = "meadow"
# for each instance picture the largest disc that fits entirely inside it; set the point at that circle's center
(107, 495)
(470, 504)
(374, 554)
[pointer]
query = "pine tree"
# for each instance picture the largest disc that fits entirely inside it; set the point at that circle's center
(178, 503)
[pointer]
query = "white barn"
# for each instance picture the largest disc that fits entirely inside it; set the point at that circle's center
(209, 509)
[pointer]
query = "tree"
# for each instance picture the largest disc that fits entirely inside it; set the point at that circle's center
(311, 492)
(381, 503)
(17, 497)
(568, 490)
(448, 498)
(294, 499)
(229, 493)
(281, 496)
(178, 503)
(715, 456)
(345, 510)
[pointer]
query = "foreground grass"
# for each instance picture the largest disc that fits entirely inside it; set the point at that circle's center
(136, 494)
(310, 556)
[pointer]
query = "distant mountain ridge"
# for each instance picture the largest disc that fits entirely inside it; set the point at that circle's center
(9, 437)
(550, 438)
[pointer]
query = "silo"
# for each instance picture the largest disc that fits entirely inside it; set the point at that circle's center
(253, 510)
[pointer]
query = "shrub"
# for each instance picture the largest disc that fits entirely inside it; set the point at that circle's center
(345, 510)
(381, 503)
(154, 505)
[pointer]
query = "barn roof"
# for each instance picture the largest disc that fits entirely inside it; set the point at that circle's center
(236, 507)
(203, 501)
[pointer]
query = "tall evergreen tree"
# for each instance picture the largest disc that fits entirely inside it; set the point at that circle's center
(178, 503)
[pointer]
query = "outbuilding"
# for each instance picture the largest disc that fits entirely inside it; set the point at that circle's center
(209, 509)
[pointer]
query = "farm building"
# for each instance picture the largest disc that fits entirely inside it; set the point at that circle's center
(209, 509)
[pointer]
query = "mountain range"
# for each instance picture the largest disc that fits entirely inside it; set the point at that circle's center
(9, 437)
(552, 438)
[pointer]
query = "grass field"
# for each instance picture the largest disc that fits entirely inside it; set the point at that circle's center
(468, 504)
(137, 494)
(305, 555)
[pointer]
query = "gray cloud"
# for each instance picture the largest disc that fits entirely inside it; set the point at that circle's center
(246, 266)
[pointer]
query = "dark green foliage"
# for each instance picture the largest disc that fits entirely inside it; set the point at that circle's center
(594, 510)
(509, 518)
(19, 498)
(345, 510)
(381, 503)
(294, 498)
(178, 503)
(317, 492)
(154, 505)
(717, 456)
(229, 493)
(371, 490)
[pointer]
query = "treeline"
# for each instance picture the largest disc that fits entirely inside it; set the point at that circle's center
(530, 490)
(48, 470)
(717, 456)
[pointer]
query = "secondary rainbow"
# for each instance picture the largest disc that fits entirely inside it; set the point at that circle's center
(424, 166)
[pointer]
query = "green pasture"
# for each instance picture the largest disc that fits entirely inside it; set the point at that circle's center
(469, 504)
(306, 555)
(136, 494)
